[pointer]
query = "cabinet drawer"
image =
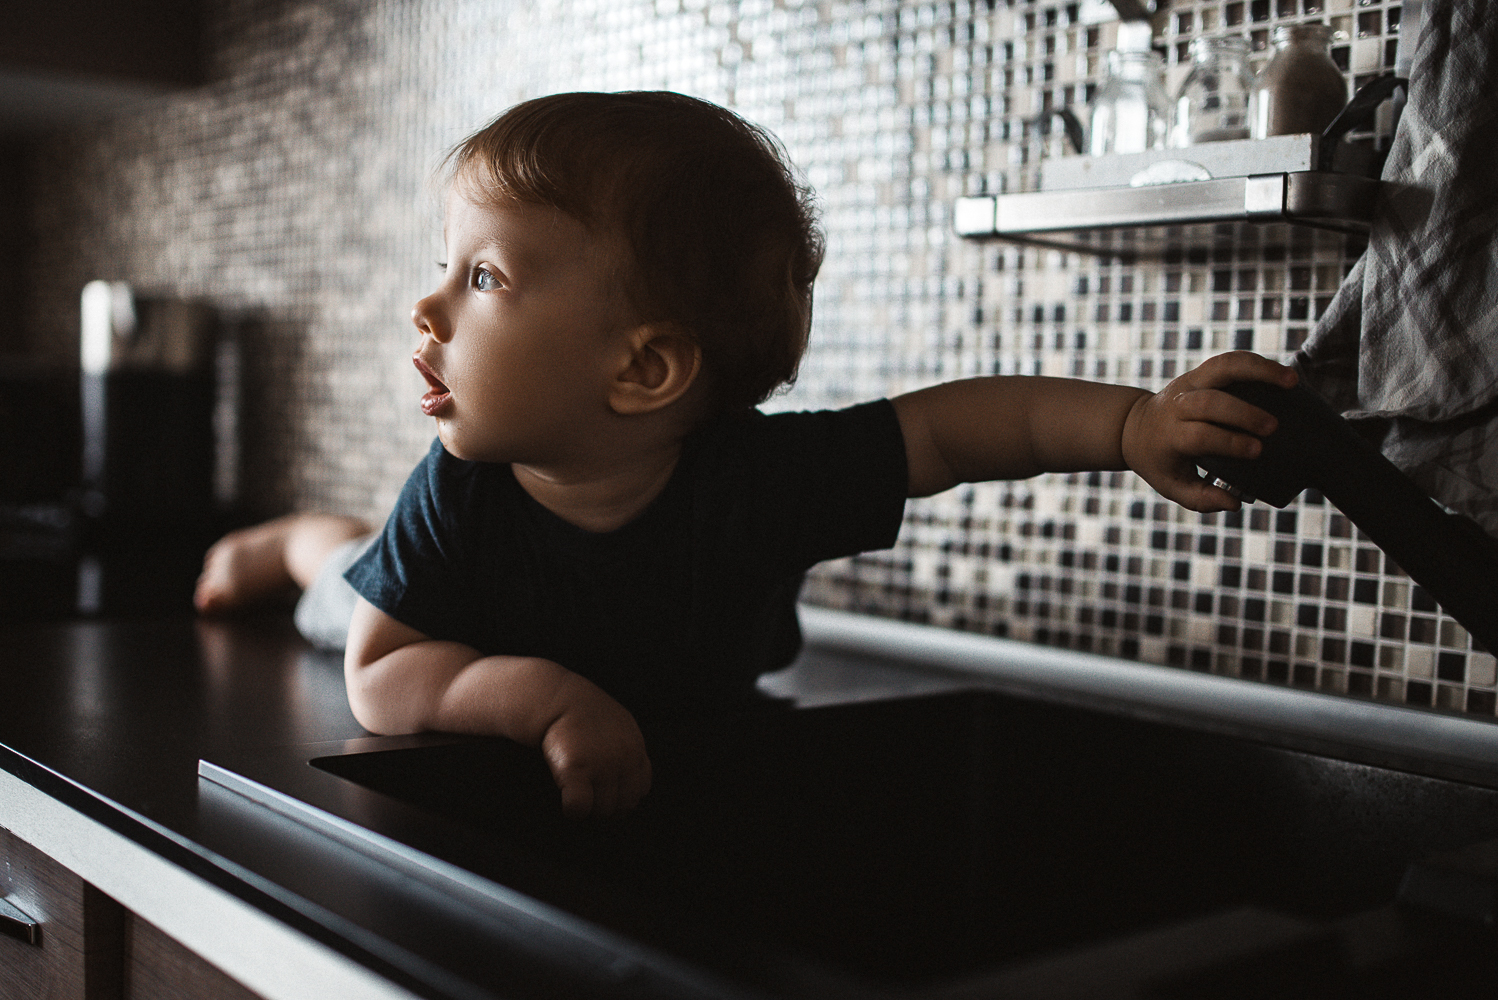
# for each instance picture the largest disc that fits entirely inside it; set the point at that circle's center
(157, 967)
(78, 952)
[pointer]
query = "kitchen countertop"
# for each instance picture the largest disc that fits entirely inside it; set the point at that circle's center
(100, 733)
(104, 723)
(107, 720)
(125, 709)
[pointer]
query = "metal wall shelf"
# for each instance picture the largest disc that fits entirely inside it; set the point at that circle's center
(1130, 222)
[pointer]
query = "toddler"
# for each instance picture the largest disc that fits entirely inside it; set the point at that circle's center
(606, 528)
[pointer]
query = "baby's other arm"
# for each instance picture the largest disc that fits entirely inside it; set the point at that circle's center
(402, 681)
(1014, 427)
(1010, 427)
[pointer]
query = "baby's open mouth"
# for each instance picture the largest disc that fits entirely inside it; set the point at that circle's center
(438, 395)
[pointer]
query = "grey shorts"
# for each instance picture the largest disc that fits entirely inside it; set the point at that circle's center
(323, 613)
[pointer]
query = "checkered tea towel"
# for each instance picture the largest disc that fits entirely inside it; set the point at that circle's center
(1408, 348)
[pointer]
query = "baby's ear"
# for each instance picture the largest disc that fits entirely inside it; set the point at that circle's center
(662, 364)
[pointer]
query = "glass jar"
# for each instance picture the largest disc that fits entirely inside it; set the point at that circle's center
(1131, 111)
(1212, 104)
(1300, 89)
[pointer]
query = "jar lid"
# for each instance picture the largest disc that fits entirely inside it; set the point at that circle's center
(1316, 32)
(1230, 45)
(1122, 57)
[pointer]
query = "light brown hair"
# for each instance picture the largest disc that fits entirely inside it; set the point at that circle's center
(722, 239)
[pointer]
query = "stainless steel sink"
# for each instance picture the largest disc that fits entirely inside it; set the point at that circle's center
(929, 846)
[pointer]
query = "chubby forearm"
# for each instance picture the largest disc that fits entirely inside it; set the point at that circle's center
(448, 686)
(401, 681)
(1011, 427)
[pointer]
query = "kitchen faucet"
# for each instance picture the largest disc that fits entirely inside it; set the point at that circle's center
(1313, 447)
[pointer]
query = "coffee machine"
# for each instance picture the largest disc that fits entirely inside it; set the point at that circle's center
(116, 471)
(146, 498)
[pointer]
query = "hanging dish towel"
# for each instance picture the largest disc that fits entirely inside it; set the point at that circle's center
(1408, 348)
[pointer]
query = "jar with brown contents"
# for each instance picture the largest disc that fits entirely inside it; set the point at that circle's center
(1300, 89)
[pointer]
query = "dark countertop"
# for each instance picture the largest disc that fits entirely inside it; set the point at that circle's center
(111, 718)
(124, 709)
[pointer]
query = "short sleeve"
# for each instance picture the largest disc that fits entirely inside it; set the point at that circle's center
(414, 570)
(830, 483)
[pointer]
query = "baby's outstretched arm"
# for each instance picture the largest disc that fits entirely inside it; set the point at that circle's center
(1019, 426)
(401, 681)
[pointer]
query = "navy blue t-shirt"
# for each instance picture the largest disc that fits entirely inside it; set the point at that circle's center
(680, 609)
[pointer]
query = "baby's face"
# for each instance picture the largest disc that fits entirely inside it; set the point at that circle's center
(520, 338)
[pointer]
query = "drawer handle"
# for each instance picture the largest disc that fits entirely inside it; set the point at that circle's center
(16, 924)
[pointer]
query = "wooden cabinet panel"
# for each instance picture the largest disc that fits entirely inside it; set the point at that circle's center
(158, 967)
(79, 954)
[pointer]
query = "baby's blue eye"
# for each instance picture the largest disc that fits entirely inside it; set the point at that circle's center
(485, 281)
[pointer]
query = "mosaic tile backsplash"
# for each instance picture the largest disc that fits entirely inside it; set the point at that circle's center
(294, 191)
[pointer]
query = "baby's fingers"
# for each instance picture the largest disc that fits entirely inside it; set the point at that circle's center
(1212, 437)
(635, 785)
(621, 793)
(577, 798)
(604, 796)
(1240, 366)
(605, 789)
(1207, 407)
(1186, 486)
(1201, 496)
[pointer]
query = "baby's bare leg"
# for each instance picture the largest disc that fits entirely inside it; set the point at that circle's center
(311, 538)
(256, 563)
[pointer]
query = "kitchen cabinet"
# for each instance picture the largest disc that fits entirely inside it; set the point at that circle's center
(100, 730)
(76, 950)
(157, 967)
(86, 946)
(60, 65)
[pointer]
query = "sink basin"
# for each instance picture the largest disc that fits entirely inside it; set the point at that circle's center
(930, 840)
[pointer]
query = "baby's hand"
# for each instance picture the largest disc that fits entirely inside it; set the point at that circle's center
(596, 754)
(1191, 416)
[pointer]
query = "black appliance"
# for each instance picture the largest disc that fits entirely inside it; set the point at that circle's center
(116, 500)
(148, 448)
(38, 473)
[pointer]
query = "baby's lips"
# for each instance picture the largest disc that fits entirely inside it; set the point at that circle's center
(437, 398)
(427, 373)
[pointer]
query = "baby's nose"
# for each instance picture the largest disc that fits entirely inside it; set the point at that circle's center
(420, 315)
(429, 318)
